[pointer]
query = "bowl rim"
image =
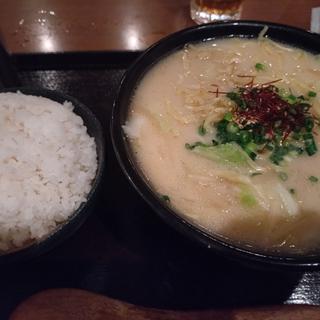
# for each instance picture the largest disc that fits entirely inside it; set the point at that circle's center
(69, 226)
(131, 171)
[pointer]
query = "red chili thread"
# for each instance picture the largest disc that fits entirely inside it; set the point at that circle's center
(265, 107)
(268, 83)
(217, 92)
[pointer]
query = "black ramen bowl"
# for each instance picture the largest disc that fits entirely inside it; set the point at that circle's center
(68, 227)
(244, 29)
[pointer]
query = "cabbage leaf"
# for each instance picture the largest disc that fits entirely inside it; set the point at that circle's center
(229, 154)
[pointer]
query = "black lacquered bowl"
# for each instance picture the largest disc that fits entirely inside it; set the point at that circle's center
(245, 29)
(68, 227)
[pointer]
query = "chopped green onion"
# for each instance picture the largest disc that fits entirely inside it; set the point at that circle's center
(259, 136)
(235, 97)
(278, 153)
(313, 179)
(232, 127)
(283, 176)
(311, 148)
(222, 133)
(309, 124)
(282, 93)
(260, 67)
(202, 130)
(250, 149)
(312, 94)
(221, 125)
(245, 137)
(291, 99)
(310, 145)
(228, 116)
(284, 135)
(165, 198)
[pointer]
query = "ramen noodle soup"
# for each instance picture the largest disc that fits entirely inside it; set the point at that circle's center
(227, 133)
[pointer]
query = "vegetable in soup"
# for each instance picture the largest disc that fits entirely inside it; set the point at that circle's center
(229, 131)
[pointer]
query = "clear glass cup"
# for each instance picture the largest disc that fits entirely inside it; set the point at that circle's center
(204, 11)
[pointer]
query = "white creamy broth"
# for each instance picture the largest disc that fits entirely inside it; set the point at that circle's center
(261, 204)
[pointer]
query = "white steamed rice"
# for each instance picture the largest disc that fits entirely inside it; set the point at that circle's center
(47, 164)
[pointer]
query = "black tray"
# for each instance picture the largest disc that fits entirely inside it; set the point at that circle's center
(124, 250)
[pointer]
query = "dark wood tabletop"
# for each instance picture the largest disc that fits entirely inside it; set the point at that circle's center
(109, 25)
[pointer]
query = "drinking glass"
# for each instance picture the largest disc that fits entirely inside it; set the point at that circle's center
(204, 11)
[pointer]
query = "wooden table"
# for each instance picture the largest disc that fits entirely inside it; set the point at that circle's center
(37, 26)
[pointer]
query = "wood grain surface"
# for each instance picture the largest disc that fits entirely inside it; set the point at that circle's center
(73, 304)
(108, 25)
